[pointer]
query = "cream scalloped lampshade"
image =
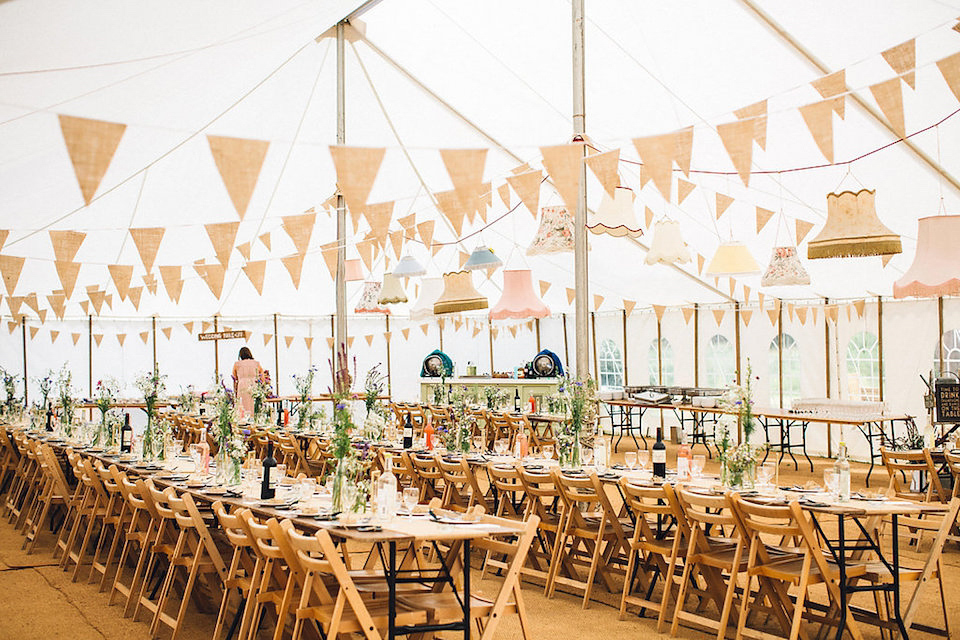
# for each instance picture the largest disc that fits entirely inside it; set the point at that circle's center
(518, 299)
(936, 266)
(667, 246)
(615, 216)
(459, 294)
(392, 291)
(430, 291)
(732, 259)
(853, 229)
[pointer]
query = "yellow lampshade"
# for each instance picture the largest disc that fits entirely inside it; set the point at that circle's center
(853, 229)
(732, 259)
(459, 294)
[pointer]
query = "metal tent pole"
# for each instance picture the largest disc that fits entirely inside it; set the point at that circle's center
(23, 330)
(340, 335)
(276, 356)
(580, 257)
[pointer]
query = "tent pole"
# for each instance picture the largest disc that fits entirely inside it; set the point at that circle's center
(580, 257)
(90, 354)
(387, 336)
(880, 341)
(490, 338)
(736, 337)
(696, 345)
(593, 335)
(780, 352)
(826, 352)
(276, 355)
(537, 324)
(566, 345)
(153, 330)
(333, 348)
(216, 350)
(659, 355)
(23, 330)
(940, 333)
(782, 33)
(626, 380)
(340, 334)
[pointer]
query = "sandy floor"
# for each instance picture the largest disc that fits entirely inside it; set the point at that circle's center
(40, 602)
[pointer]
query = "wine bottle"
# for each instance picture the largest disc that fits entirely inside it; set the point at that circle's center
(516, 401)
(126, 435)
(387, 492)
(280, 414)
(267, 492)
(407, 433)
(684, 456)
(49, 416)
(659, 456)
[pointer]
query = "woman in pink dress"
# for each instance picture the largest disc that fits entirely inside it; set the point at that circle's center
(246, 373)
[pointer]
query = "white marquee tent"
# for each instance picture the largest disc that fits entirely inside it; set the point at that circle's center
(167, 93)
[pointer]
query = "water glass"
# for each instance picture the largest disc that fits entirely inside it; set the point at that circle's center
(547, 451)
(630, 458)
(766, 473)
(281, 471)
(830, 481)
(500, 446)
(411, 496)
(699, 462)
(478, 444)
(586, 456)
(196, 455)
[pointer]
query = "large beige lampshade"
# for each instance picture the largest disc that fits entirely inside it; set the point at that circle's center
(459, 294)
(518, 299)
(936, 266)
(615, 216)
(853, 229)
(732, 259)
(430, 291)
(392, 291)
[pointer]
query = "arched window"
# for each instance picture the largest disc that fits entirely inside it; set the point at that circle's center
(666, 361)
(951, 352)
(863, 367)
(721, 362)
(791, 370)
(611, 365)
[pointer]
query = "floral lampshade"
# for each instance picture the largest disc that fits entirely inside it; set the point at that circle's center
(732, 259)
(616, 216)
(667, 246)
(555, 234)
(482, 258)
(936, 266)
(369, 299)
(853, 229)
(430, 291)
(459, 294)
(392, 291)
(518, 299)
(353, 270)
(784, 269)
(409, 267)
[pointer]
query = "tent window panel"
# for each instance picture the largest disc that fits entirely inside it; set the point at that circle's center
(610, 363)
(951, 352)
(666, 362)
(721, 366)
(863, 367)
(791, 371)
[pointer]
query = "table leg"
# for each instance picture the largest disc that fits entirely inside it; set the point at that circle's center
(842, 566)
(392, 592)
(896, 576)
(466, 589)
(805, 424)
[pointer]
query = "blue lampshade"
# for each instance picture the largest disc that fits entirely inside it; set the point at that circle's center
(482, 258)
(409, 267)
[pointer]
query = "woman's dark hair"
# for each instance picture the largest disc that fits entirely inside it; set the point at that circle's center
(245, 354)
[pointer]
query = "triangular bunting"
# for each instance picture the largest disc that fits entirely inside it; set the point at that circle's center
(91, 145)
(773, 314)
(803, 228)
(763, 217)
(657, 153)
(10, 268)
(718, 315)
(294, 264)
(406, 333)
(357, 168)
(239, 161)
(571, 294)
(98, 338)
(396, 241)
(54, 335)
(801, 315)
(369, 339)
(288, 340)
(425, 328)
(465, 168)
(213, 275)
(563, 162)
(903, 59)
(244, 250)
(648, 217)
(597, 301)
(700, 262)
(950, 70)
(121, 338)
(134, 294)
(329, 253)
(425, 231)
(745, 315)
(757, 112)
(308, 342)
(687, 314)
(628, 306)
(513, 331)
(604, 167)
(503, 191)
(859, 306)
(378, 217)
(737, 138)
(222, 236)
(66, 244)
(527, 187)
(121, 274)
(299, 228)
(684, 189)
(172, 281)
(723, 203)
(4, 233)
(255, 271)
(267, 337)
(889, 97)
(819, 120)
(264, 239)
(148, 243)
(150, 282)
(658, 310)
(145, 336)
(76, 338)
(449, 205)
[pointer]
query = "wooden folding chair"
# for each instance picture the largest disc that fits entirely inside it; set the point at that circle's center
(593, 538)
(269, 585)
(905, 466)
(9, 460)
(92, 511)
(24, 476)
(161, 546)
(429, 476)
(498, 427)
(140, 533)
(542, 500)
(240, 573)
(54, 493)
(461, 488)
(116, 521)
(444, 607)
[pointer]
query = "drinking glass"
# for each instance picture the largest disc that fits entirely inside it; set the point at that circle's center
(178, 446)
(478, 444)
(643, 457)
(630, 458)
(281, 472)
(586, 456)
(500, 446)
(830, 481)
(196, 454)
(699, 462)
(547, 451)
(411, 496)
(766, 473)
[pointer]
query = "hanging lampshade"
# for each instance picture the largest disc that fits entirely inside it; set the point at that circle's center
(392, 291)
(482, 258)
(732, 259)
(409, 267)
(518, 299)
(369, 299)
(784, 269)
(853, 229)
(616, 216)
(555, 234)
(430, 291)
(353, 270)
(459, 294)
(936, 266)
(667, 246)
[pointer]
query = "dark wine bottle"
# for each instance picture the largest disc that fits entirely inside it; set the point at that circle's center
(408, 433)
(126, 435)
(49, 416)
(659, 456)
(267, 492)
(516, 401)
(280, 413)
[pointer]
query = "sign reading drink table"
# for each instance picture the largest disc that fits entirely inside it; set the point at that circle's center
(947, 398)
(221, 335)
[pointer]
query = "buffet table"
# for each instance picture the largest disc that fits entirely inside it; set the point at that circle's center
(526, 386)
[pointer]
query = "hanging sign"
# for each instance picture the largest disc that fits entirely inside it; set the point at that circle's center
(947, 397)
(221, 335)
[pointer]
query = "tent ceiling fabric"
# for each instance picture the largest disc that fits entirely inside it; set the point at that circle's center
(219, 117)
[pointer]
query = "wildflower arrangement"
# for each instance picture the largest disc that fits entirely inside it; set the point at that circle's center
(260, 391)
(11, 405)
(107, 391)
(188, 399)
(65, 389)
(577, 399)
(456, 435)
(374, 423)
(304, 406)
(495, 397)
(151, 385)
(738, 462)
(349, 494)
(231, 443)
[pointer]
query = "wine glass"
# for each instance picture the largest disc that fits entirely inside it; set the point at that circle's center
(586, 456)
(766, 473)
(699, 462)
(500, 446)
(630, 458)
(196, 455)
(478, 444)
(411, 496)
(643, 458)
(547, 451)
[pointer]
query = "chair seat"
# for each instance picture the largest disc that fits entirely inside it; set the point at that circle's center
(378, 611)
(790, 568)
(878, 572)
(446, 605)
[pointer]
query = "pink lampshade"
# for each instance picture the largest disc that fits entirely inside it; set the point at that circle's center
(354, 270)
(936, 266)
(518, 299)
